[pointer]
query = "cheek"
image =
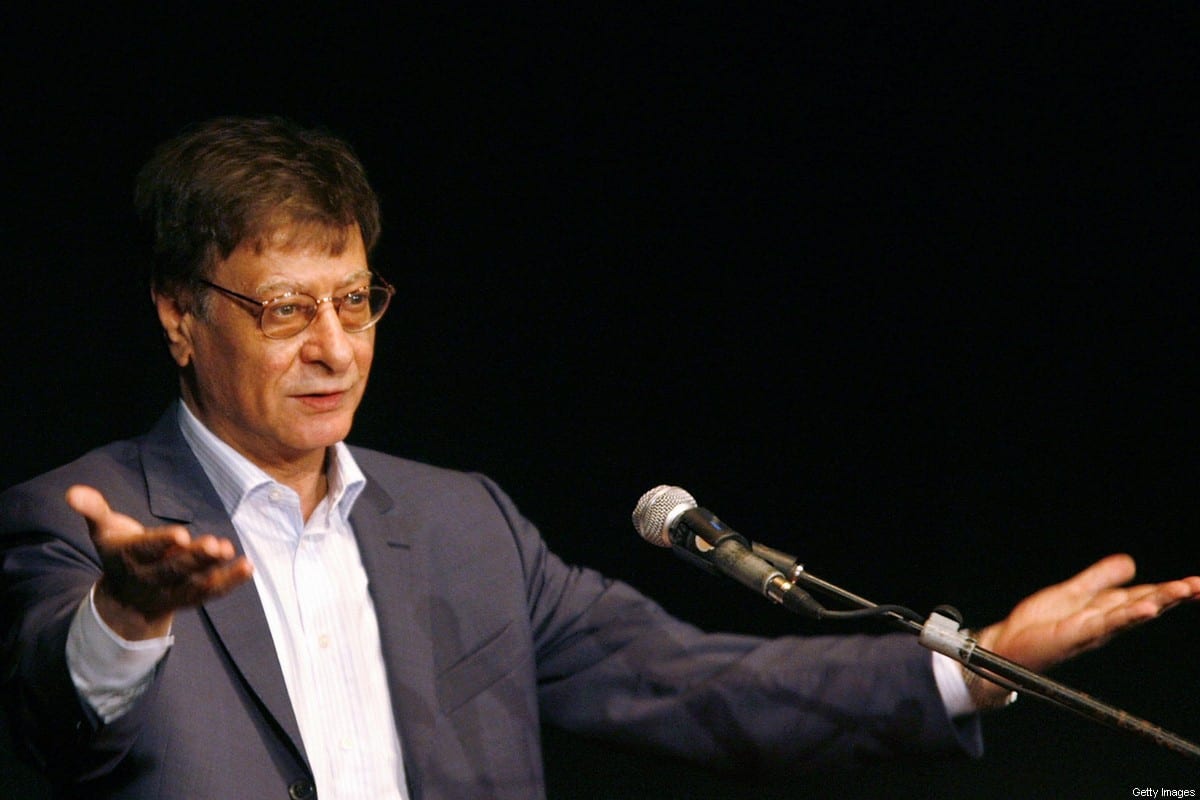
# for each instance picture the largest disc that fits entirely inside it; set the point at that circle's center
(255, 378)
(364, 353)
(218, 366)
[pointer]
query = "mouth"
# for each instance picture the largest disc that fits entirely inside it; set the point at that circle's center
(322, 401)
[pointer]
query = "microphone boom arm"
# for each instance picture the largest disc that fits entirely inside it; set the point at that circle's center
(942, 633)
(667, 516)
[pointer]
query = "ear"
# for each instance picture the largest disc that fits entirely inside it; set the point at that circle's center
(177, 321)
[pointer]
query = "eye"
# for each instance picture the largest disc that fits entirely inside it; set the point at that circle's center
(356, 299)
(289, 308)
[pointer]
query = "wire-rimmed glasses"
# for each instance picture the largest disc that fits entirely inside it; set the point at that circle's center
(290, 313)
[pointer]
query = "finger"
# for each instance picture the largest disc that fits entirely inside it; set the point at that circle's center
(192, 558)
(1114, 610)
(88, 503)
(1156, 598)
(210, 548)
(101, 519)
(1152, 597)
(1108, 572)
(223, 579)
(200, 586)
(1139, 605)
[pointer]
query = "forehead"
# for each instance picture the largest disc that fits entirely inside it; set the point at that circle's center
(287, 265)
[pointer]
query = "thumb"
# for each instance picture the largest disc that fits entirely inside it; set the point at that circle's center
(101, 519)
(1107, 573)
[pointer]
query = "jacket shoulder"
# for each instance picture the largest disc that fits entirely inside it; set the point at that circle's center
(114, 469)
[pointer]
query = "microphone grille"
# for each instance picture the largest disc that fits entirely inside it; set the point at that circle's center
(657, 509)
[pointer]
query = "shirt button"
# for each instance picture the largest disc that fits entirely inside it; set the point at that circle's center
(323, 640)
(275, 495)
(302, 790)
(346, 743)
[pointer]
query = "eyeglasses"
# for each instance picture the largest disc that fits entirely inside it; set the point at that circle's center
(288, 314)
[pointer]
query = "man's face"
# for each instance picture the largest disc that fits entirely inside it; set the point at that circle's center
(279, 402)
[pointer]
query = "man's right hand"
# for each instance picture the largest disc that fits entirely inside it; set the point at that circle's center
(149, 573)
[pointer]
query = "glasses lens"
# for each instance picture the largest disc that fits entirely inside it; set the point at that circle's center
(287, 316)
(361, 309)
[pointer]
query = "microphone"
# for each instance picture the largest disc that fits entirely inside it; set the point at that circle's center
(667, 516)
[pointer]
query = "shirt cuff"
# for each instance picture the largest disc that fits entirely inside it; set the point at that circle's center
(951, 686)
(109, 672)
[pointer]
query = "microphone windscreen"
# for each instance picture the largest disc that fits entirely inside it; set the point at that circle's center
(657, 509)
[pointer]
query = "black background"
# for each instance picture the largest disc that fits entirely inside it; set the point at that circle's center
(905, 290)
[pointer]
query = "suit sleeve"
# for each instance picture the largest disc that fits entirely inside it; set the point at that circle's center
(109, 672)
(612, 663)
(47, 567)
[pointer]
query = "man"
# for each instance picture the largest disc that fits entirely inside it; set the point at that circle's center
(239, 605)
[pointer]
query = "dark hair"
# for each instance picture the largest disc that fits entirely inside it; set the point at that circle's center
(263, 182)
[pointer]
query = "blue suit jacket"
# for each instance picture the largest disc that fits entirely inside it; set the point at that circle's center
(483, 630)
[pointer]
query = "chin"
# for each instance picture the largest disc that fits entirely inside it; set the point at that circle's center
(313, 436)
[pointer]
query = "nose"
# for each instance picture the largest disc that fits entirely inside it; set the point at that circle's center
(326, 342)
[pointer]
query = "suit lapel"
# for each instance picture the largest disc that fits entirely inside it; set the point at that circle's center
(396, 561)
(179, 491)
(397, 565)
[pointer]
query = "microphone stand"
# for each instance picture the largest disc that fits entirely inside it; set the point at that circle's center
(941, 633)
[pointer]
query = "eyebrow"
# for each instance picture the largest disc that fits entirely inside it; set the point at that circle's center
(286, 287)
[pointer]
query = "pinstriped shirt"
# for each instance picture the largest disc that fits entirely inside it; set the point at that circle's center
(313, 588)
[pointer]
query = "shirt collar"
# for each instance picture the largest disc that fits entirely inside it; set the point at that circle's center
(234, 476)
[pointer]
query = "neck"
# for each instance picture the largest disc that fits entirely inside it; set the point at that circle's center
(310, 484)
(304, 472)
